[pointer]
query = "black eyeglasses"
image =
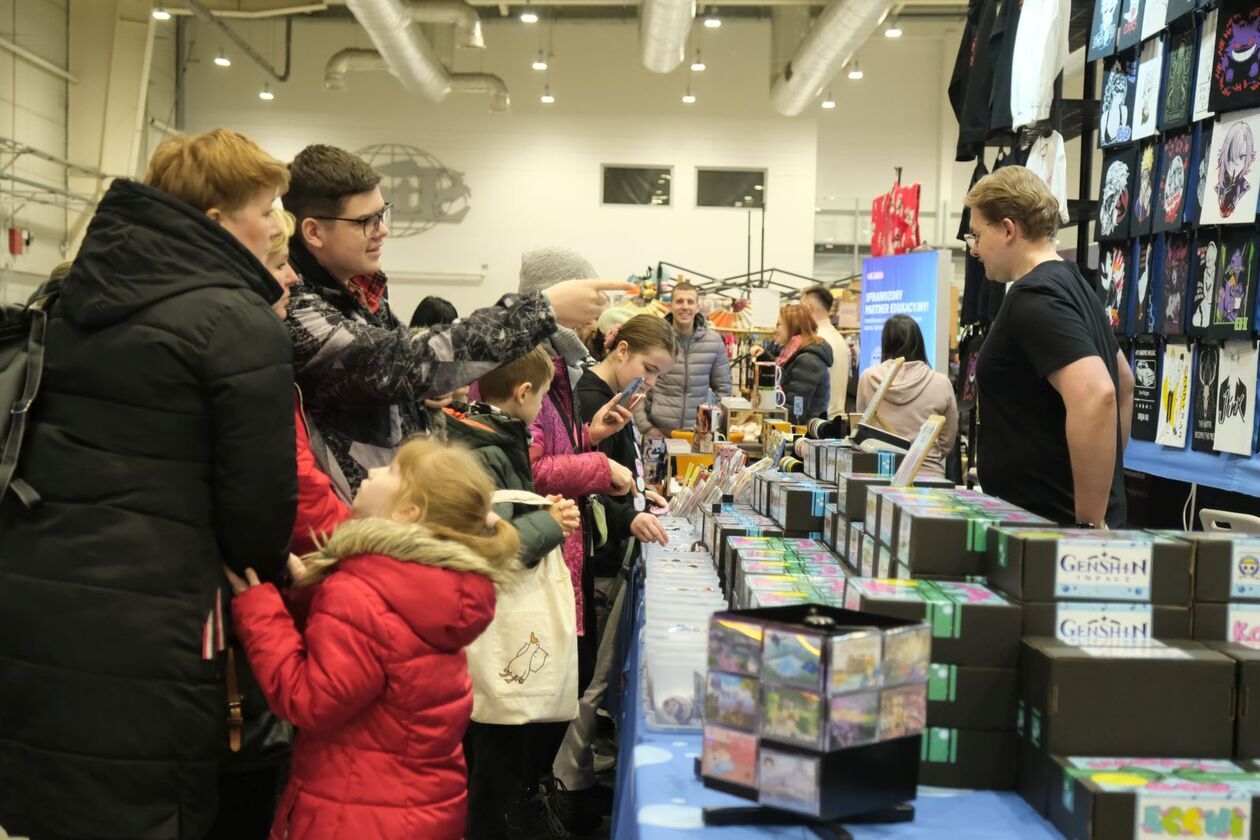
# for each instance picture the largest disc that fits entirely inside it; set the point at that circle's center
(371, 224)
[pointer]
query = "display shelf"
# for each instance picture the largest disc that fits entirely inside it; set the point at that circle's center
(1069, 117)
(1081, 210)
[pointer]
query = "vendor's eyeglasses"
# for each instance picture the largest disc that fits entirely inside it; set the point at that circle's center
(371, 224)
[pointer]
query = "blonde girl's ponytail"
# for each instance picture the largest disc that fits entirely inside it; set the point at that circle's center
(501, 547)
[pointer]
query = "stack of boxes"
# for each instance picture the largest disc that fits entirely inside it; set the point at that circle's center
(970, 741)
(778, 571)
(1094, 586)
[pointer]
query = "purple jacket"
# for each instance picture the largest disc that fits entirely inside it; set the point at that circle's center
(562, 464)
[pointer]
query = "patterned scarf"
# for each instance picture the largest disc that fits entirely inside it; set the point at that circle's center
(789, 350)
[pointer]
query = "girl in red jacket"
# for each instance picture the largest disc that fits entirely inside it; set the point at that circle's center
(377, 682)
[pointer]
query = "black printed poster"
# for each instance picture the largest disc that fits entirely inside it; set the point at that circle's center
(1144, 188)
(1236, 64)
(1205, 388)
(1170, 201)
(1145, 389)
(1144, 291)
(1102, 32)
(1236, 398)
(1178, 9)
(1178, 79)
(1130, 31)
(1115, 116)
(1200, 157)
(1176, 270)
(1234, 297)
(1113, 273)
(1203, 270)
(1114, 203)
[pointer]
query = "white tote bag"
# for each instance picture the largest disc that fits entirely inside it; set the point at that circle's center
(524, 668)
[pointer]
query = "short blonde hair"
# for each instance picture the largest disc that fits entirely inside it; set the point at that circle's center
(1016, 193)
(281, 239)
(219, 168)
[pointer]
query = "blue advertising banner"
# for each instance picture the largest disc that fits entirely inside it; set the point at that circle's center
(907, 284)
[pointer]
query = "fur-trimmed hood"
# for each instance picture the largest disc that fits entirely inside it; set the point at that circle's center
(408, 543)
(441, 589)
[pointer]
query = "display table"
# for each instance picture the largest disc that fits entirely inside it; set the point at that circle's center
(659, 796)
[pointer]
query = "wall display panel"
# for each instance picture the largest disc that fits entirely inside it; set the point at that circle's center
(1174, 167)
(1150, 73)
(1176, 271)
(1178, 81)
(1115, 122)
(1233, 299)
(1203, 67)
(1236, 398)
(1103, 29)
(1203, 430)
(1115, 204)
(1230, 194)
(1236, 68)
(1144, 188)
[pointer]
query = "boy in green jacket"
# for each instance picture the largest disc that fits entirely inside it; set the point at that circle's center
(507, 762)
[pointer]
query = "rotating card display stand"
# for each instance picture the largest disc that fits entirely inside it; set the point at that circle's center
(815, 713)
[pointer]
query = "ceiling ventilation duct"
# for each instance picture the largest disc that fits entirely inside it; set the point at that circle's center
(840, 29)
(408, 55)
(463, 16)
(663, 28)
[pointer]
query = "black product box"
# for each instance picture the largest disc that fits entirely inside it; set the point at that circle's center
(1064, 564)
(1247, 720)
(722, 542)
(1123, 699)
(762, 484)
(833, 523)
(868, 564)
(964, 758)
(939, 541)
(1086, 622)
(881, 511)
(846, 459)
(852, 555)
(851, 492)
(1094, 797)
(971, 624)
(1226, 567)
(799, 506)
(812, 455)
(970, 698)
(1236, 622)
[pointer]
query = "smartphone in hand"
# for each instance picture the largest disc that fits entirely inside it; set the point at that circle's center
(627, 396)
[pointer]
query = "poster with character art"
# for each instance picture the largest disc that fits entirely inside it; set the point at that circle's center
(1113, 269)
(1129, 33)
(1103, 29)
(1175, 271)
(1230, 194)
(1236, 66)
(1114, 203)
(1174, 396)
(1203, 270)
(1154, 17)
(1203, 428)
(1236, 398)
(1203, 67)
(1170, 197)
(1178, 78)
(1115, 116)
(1144, 188)
(1143, 291)
(1200, 157)
(1234, 296)
(1146, 105)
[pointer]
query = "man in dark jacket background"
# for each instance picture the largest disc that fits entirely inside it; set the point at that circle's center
(702, 366)
(362, 372)
(162, 447)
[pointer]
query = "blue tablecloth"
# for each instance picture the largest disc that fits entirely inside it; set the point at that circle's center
(659, 796)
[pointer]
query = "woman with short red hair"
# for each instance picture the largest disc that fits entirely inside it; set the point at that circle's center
(160, 448)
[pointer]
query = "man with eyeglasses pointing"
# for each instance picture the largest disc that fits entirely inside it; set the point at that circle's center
(363, 374)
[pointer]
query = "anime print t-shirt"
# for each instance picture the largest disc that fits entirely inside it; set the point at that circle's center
(1115, 116)
(1115, 199)
(1236, 65)
(1174, 166)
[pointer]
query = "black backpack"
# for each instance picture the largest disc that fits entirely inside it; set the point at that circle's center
(23, 328)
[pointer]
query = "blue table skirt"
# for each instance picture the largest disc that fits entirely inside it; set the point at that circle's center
(659, 796)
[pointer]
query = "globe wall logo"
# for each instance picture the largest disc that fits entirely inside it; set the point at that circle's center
(424, 191)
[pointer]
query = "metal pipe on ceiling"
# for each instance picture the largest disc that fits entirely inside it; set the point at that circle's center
(830, 43)
(42, 63)
(663, 29)
(203, 13)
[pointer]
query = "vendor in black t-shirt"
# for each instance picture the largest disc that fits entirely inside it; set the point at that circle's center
(1055, 391)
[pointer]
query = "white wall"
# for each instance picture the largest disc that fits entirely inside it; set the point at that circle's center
(33, 113)
(534, 173)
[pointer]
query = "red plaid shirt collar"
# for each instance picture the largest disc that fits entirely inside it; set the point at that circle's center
(368, 289)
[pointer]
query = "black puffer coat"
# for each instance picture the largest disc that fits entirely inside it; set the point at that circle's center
(807, 377)
(162, 445)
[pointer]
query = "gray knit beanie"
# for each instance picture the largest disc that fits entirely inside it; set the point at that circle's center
(545, 267)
